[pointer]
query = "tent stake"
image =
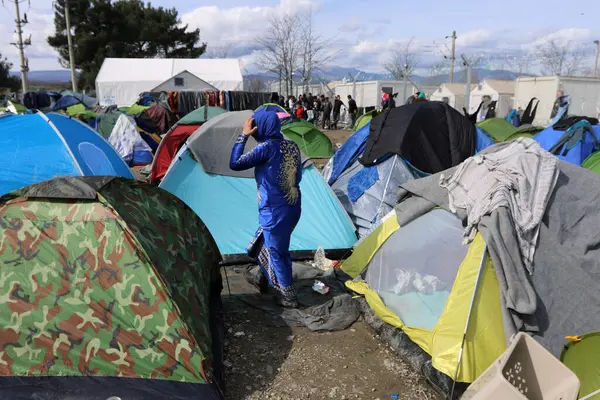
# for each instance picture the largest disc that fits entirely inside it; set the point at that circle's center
(227, 280)
(462, 344)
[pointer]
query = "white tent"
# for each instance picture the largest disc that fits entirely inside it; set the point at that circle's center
(121, 80)
(501, 91)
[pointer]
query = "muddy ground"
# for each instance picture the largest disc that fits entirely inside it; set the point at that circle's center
(263, 361)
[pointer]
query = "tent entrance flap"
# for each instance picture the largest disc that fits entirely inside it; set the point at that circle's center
(428, 252)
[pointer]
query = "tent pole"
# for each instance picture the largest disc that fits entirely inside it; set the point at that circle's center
(462, 344)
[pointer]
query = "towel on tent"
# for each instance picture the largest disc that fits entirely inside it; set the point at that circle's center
(518, 175)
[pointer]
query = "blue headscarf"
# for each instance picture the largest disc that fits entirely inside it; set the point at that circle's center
(268, 124)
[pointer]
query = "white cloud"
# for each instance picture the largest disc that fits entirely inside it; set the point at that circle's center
(352, 24)
(239, 26)
(358, 43)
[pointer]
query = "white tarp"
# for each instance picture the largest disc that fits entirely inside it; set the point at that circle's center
(121, 80)
(126, 139)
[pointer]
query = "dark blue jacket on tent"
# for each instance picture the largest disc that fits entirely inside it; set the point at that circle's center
(349, 152)
(573, 145)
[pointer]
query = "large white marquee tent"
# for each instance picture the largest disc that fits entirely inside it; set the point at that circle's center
(121, 80)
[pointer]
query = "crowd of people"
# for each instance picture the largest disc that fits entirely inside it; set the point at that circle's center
(326, 113)
(320, 110)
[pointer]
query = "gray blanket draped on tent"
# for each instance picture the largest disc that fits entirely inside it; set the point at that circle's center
(561, 297)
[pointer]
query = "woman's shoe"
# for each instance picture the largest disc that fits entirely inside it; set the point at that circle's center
(256, 278)
(288, 303)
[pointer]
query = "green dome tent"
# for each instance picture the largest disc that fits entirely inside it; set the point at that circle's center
(580, 355)
(592, 162)
(312, 142)
(107, 123)
(498, 129)
(110, 287)
(364, 119)
(134, 109)
(79, 110)
(200, 116)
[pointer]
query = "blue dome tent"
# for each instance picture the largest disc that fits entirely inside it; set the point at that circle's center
(37, 147)
(573, 145)
(226, 200)
(65, 102)
(347, 154)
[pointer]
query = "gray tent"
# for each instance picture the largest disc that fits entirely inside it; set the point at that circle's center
(211, 144)
(377, 200)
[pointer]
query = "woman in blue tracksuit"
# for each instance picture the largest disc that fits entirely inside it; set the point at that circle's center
(278, 170)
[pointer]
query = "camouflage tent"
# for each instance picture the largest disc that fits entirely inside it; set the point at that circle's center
(109, 287)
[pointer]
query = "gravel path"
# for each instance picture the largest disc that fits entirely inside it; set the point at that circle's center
(269, 362)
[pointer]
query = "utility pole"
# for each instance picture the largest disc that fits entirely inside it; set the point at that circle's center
(467, 63)
(70, 43)
(452, 57)
(404, 82)
(20, 45)
(597, 42)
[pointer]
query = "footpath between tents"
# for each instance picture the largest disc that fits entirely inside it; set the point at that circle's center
(266, 359)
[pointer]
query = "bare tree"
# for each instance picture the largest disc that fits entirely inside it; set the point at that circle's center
(280, 52)
(520, 63)
(557, 59)
(221, 51)
(315, 48)
(403, 61)
(438, 68)
(255, 85)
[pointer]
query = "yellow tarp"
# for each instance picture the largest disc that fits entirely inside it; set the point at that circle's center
(485, 337)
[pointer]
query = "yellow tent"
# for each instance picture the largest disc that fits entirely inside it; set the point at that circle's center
(419, 278)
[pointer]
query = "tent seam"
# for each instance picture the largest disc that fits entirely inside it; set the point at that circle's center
(62, 139)
(101, 138)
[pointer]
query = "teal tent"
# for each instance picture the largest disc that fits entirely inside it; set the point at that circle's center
(226, 200)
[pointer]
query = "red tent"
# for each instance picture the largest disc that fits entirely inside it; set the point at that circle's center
(168, 148)
(177, 136)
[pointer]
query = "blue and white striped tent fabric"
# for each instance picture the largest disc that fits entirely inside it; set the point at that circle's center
(37, 147)
(228, 204)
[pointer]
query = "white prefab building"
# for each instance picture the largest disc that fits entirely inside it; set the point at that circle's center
(455, 94)
(584, 92)
(120, 81)
(368, 93)
(501, 91)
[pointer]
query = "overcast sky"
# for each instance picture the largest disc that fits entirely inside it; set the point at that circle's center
(361, 32)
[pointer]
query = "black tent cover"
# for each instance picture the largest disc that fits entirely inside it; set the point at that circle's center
(431, 135)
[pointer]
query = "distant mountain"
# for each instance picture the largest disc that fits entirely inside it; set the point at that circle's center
(333, 73)
(61, 75)
(476, 76)
(330, 73)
